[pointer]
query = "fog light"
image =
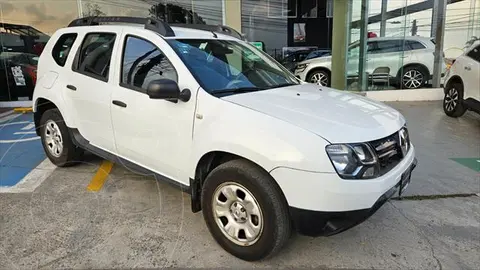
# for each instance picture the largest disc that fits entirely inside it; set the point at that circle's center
(369, 173)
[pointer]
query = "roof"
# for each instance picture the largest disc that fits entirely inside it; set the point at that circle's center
(419, 38)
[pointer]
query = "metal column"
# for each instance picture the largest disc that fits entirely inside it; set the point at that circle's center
(339, 43)
(362, 58)
(441, 7)
(383, 22)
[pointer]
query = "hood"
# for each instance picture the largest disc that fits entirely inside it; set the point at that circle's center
(337, 116)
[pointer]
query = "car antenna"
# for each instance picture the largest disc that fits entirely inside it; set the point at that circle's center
(214, 35)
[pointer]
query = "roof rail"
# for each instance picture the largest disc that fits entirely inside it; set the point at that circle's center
(222, 29)
(150, 23)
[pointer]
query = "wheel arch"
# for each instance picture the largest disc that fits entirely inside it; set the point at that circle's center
(206, 164)
(422, 66)
(318, 69)
(452, 80)
(40, 106)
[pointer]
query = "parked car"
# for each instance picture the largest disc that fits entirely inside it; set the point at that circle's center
(291, 60)
(409, 61)
(18, 75)
(462, 87)
(260, 152)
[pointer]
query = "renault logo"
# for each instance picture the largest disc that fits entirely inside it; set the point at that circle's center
(403, 141)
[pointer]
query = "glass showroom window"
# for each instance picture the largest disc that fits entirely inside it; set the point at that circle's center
(26, 27)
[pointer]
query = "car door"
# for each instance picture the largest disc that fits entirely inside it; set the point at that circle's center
(153, 133)
(471, 74)
(388, 53)
(88, 89)
(353, 58)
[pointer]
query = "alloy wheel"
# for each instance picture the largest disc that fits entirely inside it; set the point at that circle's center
(412, 79)
(237, 214)
(319, 78)
(451, 99)
(53, 138)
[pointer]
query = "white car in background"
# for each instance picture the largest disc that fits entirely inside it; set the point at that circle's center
(462, 87)
(407, 61)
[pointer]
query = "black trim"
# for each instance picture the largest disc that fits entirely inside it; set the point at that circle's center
(472, 104)
(317, 223)
(81, 142)
(152, 24)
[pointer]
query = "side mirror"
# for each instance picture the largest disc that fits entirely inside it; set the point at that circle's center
(168, 90)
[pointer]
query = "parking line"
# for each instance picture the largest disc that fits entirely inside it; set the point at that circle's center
(101, 176)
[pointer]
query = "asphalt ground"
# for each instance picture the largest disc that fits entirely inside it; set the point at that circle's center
(133, 221)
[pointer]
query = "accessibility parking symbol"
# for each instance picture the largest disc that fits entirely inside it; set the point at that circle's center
(21, 150)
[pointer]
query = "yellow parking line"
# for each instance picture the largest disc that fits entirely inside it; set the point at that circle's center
(101, 176)
(23, 110)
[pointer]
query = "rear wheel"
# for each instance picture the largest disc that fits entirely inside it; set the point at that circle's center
(56, 140)
(413, 77)
(319, 77)
(453, 104)
(245, 210)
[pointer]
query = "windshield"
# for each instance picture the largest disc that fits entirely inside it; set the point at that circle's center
(222, 66)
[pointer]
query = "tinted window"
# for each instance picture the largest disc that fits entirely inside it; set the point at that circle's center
(143, 62)
(62, 48)
(95, 54)
(414, 45)
(475, 53)
(388, 46)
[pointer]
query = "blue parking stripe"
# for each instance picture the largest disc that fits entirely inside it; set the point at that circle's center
(20, 149)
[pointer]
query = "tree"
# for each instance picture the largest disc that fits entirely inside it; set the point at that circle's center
(175, 14)
(93, 10)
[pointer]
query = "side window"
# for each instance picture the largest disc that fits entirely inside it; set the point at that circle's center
(475, 53)
(95, 55)
(388, 46)
(62, 48)
(413, 45)
(142, 63)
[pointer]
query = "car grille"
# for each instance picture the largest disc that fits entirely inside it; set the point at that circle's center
(388, 151)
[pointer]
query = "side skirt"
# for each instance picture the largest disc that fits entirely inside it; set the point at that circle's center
(81, 142)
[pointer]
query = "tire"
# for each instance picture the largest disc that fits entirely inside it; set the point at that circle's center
(53, 131)
(413, 77)
(453, 104)
(250, 184)
(319, 77)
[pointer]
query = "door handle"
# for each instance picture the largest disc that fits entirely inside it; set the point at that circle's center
(119, 103)
(71, 87)
(468, 68)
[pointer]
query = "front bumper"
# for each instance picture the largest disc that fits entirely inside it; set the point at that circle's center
(319, 223)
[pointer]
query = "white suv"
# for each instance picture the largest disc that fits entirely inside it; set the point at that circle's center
(407, 61)
(260, 152)
(462, 87)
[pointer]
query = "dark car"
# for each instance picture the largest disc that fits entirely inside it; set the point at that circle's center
(318, 53)
(293, 58)
(18, 72)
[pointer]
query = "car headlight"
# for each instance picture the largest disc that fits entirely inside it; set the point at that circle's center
(353, 161)
(301, 67)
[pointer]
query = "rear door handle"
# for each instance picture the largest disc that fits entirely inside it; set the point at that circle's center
(119, 103)
(71, 87)
(468, 68)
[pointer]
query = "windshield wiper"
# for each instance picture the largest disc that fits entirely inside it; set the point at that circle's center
(237, 90)
(282, 85)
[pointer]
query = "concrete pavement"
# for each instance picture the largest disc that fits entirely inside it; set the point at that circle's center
(136, 222)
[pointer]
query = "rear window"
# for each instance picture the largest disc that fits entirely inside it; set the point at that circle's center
(62, 48)
(475, 53)
(413, 45)
(94, 56)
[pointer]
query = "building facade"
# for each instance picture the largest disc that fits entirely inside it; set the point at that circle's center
(281, 25)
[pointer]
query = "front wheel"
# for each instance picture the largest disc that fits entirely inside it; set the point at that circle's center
(453, 101)
(245, 211)
(319, 77)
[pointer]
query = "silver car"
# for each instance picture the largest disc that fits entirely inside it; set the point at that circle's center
(404, 61)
